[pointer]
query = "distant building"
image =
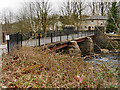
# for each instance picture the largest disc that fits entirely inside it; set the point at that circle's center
(58, 26)
(91, 22)
(69, 27)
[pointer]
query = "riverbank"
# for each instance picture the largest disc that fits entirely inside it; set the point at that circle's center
(33, 68)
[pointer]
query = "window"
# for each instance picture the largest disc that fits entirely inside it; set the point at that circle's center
(92, 21)
(85, 22)
(89, 28)
(85, 27)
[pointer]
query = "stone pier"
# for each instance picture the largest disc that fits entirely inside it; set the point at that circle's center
(73, 48)
(87, 47)
(103, 40)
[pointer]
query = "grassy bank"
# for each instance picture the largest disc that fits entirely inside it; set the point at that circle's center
(32, 67)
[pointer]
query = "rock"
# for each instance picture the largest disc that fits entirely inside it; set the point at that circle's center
(87, 46)
(74, 44)
(115, 51)
(87, 58)
(103, 40)
(97, 49)
(104, 51)
(4, 86)
(74, 48)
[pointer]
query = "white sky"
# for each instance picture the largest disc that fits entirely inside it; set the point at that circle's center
(15, 4)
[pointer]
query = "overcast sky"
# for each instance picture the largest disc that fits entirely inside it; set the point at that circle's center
(15, 4)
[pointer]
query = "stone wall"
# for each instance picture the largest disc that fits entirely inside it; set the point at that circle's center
(73, 49)
(103, 41)
(87, 47)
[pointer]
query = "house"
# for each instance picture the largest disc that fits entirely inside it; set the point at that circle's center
(91, 22)
(58, 25)
(69, 27)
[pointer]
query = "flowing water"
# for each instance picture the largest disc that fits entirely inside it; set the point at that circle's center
(110, 60)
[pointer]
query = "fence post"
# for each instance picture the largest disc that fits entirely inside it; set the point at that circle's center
(8, 46)
(39, 39)
(51, 37)
(67, 36)
(77, 34)
(8, 39)
(34, 36)
(81, 33)
(54, 33)
(17, 39)
(21, 39)
(60, 35)
(3, 37)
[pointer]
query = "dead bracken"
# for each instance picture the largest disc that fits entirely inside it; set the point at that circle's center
(38, 69)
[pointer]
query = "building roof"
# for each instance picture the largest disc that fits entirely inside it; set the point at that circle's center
(96, 18)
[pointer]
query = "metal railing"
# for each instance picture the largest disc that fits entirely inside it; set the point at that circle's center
(38, 39)
(51, 37)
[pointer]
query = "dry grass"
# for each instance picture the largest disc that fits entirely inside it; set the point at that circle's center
(32, 67)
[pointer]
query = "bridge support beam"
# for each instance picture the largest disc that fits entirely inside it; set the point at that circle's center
(87, 47)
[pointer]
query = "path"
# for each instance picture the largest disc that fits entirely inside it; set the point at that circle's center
(2, 49)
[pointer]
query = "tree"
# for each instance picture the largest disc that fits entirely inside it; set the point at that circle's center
(7, 20)
(43, 10)
(99, 8)
(71, 12)
(34, 16)
(112, 22)
(52, 20)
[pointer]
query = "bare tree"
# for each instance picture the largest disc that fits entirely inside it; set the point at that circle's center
(43, 10)
(71, 11)
(99, 7)
(35, 15)
(7, 20)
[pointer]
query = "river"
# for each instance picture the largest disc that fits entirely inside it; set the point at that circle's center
(110, 60)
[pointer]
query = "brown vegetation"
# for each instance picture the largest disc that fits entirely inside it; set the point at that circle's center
(32, 67)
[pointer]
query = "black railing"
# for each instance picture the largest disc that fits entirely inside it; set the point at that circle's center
(17, 40)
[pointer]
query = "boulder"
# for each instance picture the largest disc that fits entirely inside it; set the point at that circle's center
(104, 51)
